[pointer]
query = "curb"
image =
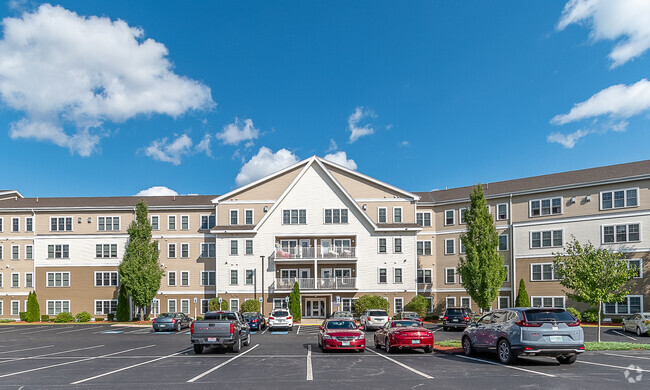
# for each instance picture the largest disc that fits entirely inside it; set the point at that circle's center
(452, 351)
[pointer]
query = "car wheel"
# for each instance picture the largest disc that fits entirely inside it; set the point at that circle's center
(445, 328)
(178, 327)
(237, 346)
(389, 349)
(198, 349)
(567, 359)
(428, 350)
(377, 345)
(623, 328)
(248, 340)
(467, 346)
(505, 352)
(638, 331)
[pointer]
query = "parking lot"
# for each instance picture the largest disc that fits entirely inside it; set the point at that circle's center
(96, 356)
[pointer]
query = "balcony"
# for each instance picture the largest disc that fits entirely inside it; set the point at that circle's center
(286, 284)
(318, 252)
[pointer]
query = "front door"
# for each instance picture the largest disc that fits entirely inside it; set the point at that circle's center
(315, 308)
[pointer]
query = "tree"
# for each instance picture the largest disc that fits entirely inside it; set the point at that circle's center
(366, 302)
(481, 269)
(522, 295)
(593, 276)
(213, 304)
(122, 313)
(294, 302)
(250, 305)
(33, 308)
(140, 271)
(418, 304)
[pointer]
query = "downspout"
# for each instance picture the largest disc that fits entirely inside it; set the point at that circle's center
(513, 281)
(216, 250)
(33, 246)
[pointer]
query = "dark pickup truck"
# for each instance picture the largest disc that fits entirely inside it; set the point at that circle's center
(222, 329)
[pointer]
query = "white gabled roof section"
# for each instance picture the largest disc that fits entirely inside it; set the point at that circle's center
(11, 194)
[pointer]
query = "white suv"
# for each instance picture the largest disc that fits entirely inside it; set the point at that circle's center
(280, 318)
(374, 319)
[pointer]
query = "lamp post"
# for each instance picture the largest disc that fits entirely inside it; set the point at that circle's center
(262, 257)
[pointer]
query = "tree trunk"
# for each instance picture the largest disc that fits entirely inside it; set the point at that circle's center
(600, 308)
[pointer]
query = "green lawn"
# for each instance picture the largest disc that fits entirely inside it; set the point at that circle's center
(613, 346)
(449, 343)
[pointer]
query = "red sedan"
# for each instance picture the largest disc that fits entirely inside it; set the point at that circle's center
(341, 334)
(401, 334)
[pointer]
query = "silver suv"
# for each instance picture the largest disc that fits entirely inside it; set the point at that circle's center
(526, 332)
(374, 319)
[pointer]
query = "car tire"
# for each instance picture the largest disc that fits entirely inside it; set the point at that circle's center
(237, 346)
(178, 327)
(389, 349)
(428, 350)
(377, 345)
(467, 346)
(445, 328)
(198, 349)
(504, 351)
(361, 350)
(623, 328)
(248, 340)
(638, 331)
(567, 359)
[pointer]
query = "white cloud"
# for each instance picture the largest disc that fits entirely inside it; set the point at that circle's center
(357, 131)
(264, 163)
(567, 140)
(204, 145)
(341, 158)
(236, 132)
(624, 21)
(69, 74)
(172, 152)
(404, 143)
(333, 146)
(157, 191)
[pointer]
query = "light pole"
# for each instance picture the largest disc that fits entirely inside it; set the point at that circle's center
(262, 257)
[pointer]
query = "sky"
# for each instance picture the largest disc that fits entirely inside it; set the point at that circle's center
(164, 97)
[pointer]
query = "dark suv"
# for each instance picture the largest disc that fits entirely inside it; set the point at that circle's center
(456, 317)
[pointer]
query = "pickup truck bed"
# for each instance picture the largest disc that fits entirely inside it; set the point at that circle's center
(220, 329)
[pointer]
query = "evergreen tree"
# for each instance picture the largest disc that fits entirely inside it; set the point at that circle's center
(294, 303)
(33, 308)
(522, 295)
(122, 313)
(482, 267)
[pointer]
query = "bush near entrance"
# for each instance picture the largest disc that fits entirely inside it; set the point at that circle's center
(33, 309)
(294, 303)
(366, 302)
(418, 304)
(84, 316)
(213, 304)
(250, 305)
(63, 317)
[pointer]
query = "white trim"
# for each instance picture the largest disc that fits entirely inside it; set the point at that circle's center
(499, 301)
(26, 284)
(453, 240)
(385, 214)
(47, 279)
(119, 223)
(189, 309)
(208, 285)
(110, 278)
(17, 256)
(424, 276)
(238, 202)
(627, 233)
(424, 247)
(507, 267)
(423, 219)
(460, 215)
(497, 212)
(189, 282)
(395, 304)
(508, 242)
(379, 275)
(640, 267)
(230, 211)
(541, 239)
(379, 245)
(175, 222)
(57, 226)
(151, 217)
(175, 279)
(554, 297)
(169, 246)
(551, 213)
(447, 275)
(447, 302)
(12, 225)
(47, 308)
(628, 305)
(553, 278)
(230, 301)
(401, 214)
(189, 224)
(600, 198)
(12, 280)
(252, 217)
(102, 301)
(180, 253)
(401, 245)
(470, 302)
(169, 310)
(395, 275)
(453, 217)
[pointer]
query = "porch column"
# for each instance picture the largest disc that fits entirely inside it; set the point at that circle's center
(315, 273)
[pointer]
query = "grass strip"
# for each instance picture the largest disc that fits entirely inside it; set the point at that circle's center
(614, 346)
(449, 343)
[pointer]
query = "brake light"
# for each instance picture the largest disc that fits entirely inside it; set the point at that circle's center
(528, 348)
(255, 320)
(232, 328)
(289, 317)
(583, 347)
(173, 320)
(192, 328)
(528, 324)
(154, 321)
(577, 323)
(465, 318)
(271, 318)
(445, 318)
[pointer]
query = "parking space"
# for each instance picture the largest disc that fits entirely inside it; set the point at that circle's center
(90, 356)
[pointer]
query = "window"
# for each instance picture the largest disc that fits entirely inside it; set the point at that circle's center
(62, 224)
(29, 280)
(503, 242)
(504, 302)
(382, 245)
(58, 251)
(15, 308)
(381, 214)
(550, 302)
(542, 272)
(548, 206)
(185, 250)
(629, 305)
(507, 267)
(424, 276)
(450, 275)
(171, 251)
(430, 304)
(450, 302)
(56, 307)
(234, 278)
(15, 279)
(234, 217)
(382, 275)
(208, 278)
(336, 215)
(108, 223)
(205, 304)
(249, 276)
(234, 304)
(546, 239)
(502, 211)
(462, 246)
(294, 217)
(0, 252)
(449, 217)
(449, 246)
(58, 279)
(171, 305)
(29, 252)
(466, 302)
(638, 265)
(619, 199)
(185, 306)
(397, 275)
(15, 224)
(106, 250)
(249, 247)
(423, 219)
(105, 306)
(171, 224)
(233, 247)
(248, 217)
(398, 304)
(155, 222)
(171, 278)
(106, 279)
(1, 219)
(397, 247)
(424, 248)
(461, 215)
(185, 222)
(397, 215)
(15, 252)
(208, 249)
(185, 278)
(208, 221)
(0, 280)
(621, 233)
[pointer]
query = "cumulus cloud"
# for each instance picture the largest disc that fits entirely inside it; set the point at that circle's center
(157, 191)
(341, 158)
(357, 116)
(624, 21)
(204, 145)
(236, 132)
(333, 146)
(264, 163)
(69, 81)
(567, 140)
(172, 152)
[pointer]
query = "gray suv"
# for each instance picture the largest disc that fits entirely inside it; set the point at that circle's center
(526, 332)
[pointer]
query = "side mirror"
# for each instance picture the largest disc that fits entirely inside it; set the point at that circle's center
(320, 327)
(360, 327)
(473, 323)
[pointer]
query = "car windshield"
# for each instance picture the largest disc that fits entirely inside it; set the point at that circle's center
(341, 325)
(404, 324)
(221, 316)
(551, 315)
(280, 313)
(410, 315)
(166, 315)
(342, 314)
(454, 312)
(378, 313)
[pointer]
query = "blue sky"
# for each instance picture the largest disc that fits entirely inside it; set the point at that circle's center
(106, 98)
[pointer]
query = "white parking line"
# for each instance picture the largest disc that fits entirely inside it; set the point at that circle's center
(22, 328)
(52, 354)
(27, 349)
(44, 330)
(506, 366)
(72, 362)
(113, 330)
(265, 329)
(610, 366)
(220, 365)
(298, 331)
(76, 330)
(401, 364)
(627, 356)
(310, 373)
(624, 335)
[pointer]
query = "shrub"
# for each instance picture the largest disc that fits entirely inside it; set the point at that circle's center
(575, 312)
(366, 302)
(5, 321)
(396, 317)
(63, 317)
(45, 318)
(84, 316)
(617, 320)
(522, 295)
(213, 304)
(110, 316)
(250, 305)
(23, 315)
(33, 309)
(590, 315)
(199, 318)
(432, 318)
(418, 304)
(122, 305)
(294, 303)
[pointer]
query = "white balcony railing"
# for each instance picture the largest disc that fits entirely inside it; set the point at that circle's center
(318, 252)
(316, 283)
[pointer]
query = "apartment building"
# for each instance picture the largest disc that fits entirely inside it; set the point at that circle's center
(338, 233)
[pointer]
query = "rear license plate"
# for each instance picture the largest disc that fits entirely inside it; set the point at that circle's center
(415, 341)
(280, 321)
(345, 343)
(212, 339)
(162, 326)
(455, 320)
(555, 339)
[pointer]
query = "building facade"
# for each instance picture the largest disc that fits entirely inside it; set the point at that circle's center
(338, 233)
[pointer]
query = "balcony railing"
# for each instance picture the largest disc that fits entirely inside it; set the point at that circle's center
(318, 252)
(316, 283)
